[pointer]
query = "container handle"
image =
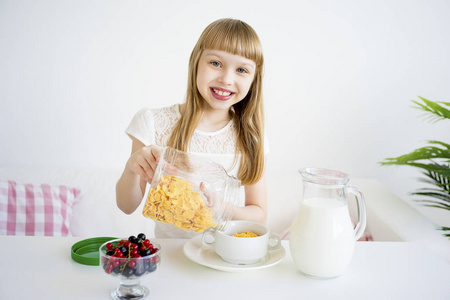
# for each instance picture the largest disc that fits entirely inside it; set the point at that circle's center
(208, 237)
(274, 237)
(360, 203)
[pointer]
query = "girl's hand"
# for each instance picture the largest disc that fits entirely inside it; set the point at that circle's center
(144, 161)
(210, 196)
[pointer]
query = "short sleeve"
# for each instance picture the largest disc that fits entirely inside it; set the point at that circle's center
(142, 127)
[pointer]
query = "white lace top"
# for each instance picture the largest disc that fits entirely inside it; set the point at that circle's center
(154, 127)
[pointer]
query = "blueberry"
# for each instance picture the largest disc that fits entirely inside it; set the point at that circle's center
(127, 272)
(150, 267)
(144, 252)
(139, 270)
(124, 250)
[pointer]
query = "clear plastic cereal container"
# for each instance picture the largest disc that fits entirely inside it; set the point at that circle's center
(191, 192)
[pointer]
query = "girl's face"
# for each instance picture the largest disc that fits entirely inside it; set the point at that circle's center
(223, 79)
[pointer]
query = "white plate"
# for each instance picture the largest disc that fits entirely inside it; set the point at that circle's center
(206, 256)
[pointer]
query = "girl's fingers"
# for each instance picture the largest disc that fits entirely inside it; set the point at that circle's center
(144, 162)
(150, 166)
(207, 193)
(210, 195)
(148, 169)
(153, 157)
(156, 152)
(146, 176)
(203, 187)
(171, 169)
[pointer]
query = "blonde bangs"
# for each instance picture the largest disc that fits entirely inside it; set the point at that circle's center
(235, 37)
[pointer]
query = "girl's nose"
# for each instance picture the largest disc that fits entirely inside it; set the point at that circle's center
(226, 77)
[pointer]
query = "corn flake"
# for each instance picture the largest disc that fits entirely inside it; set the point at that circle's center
(174, 202)
(245, 234)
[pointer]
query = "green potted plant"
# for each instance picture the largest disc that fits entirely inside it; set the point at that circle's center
(433, 160)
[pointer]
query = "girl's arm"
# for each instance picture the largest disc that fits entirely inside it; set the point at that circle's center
(255, 208)
(139, 170)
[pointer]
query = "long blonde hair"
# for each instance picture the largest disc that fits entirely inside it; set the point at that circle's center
(235, 37)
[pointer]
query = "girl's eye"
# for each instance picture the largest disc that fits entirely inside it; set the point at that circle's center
(215, 63)
(242, 70)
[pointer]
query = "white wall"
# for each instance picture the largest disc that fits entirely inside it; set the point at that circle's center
(340, 77)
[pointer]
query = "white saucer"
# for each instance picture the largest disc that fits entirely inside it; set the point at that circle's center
(206, 256)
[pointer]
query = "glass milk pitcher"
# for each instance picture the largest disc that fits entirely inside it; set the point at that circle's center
(322, 237)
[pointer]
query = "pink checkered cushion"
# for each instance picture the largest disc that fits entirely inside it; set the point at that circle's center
(44, 210)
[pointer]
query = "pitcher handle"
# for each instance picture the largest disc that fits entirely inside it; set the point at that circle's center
(361, 226)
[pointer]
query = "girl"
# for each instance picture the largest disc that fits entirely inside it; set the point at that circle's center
(222, 119)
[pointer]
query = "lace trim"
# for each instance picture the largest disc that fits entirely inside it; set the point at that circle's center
(222, 141)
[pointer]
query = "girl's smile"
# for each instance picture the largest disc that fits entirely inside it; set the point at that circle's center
(223, 79)
(221, 94)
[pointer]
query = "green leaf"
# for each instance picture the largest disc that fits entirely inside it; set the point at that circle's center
(441, 182)
(432, 168)
(435, 205)
(445, 229)
(439, 197)
(429, 152)
(437, 111)
(443, 186)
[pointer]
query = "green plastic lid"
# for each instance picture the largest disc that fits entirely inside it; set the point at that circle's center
(86, 252)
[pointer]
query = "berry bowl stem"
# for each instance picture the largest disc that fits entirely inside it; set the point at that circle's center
(130, 289)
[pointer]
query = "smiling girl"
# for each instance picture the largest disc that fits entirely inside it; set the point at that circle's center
(222, 119)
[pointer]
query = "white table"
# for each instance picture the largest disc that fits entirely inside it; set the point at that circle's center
(42, 268)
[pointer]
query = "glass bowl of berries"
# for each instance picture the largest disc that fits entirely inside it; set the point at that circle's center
(129, 260)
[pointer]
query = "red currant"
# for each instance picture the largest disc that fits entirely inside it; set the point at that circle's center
(109, 269)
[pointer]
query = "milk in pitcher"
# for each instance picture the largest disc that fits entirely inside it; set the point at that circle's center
(322, 239)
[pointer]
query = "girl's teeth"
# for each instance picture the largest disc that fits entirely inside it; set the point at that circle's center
(222, 93)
